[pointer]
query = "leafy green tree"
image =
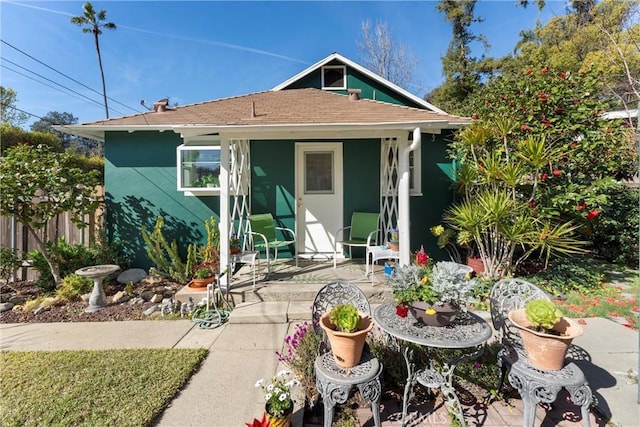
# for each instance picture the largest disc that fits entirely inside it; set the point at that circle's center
(36, 184)
(93, 22)
(540, 155)
(77, 144)
(603, 36)
(10, 136)
(8, 112)
(461, 70)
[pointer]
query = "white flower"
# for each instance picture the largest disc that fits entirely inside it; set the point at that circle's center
(270, 387)
(283, 397)
(267, 396)
(283, 373)
(277, 390)
(259, 383)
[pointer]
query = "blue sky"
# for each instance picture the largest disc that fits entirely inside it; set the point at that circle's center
(197, 51)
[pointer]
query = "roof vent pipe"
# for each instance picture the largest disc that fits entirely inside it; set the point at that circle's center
(354, 94)
(161, 105)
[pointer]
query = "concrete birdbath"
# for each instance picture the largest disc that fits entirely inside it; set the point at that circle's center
(97, 300)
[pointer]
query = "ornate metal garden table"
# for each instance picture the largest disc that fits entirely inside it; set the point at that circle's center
(467, 332)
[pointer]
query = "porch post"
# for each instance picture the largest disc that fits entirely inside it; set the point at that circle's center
(403, 198)
(223, 224)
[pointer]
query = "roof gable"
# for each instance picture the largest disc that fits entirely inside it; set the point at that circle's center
(375, 87)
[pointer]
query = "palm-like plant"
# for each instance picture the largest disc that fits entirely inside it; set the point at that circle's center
(498, 214)
(93, 22)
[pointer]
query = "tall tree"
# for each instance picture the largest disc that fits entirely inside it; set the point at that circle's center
(388, 59)
(8, 112)
(605, 35)
(461, 70)
(93, 22)
(77, 144)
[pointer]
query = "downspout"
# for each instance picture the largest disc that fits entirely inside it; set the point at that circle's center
(224, 210)
(403, 198)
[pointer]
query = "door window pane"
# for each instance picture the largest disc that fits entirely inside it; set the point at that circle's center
(318, 175)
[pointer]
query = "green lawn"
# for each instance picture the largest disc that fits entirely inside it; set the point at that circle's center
(91, 388)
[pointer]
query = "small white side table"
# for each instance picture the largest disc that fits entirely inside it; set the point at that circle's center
(246, 257)
(379, 252)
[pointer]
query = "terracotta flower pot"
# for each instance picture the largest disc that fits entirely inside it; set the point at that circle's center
(442, 316)
(545, 351)
(347, 346)
(201, 283)
(476, 263)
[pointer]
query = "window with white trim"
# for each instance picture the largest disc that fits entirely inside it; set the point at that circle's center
(334, 77)
(198, 168)
(415, 172)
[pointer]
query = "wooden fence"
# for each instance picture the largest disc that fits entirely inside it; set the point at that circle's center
(15, 235)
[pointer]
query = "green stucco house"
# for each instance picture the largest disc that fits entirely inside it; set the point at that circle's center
(331, 140)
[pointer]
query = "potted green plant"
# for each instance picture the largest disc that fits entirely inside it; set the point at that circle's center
(234, 245)
(346, 330)
(434, 295)
(394, 239)
(202, 277)
(278, 400)
(546, 334)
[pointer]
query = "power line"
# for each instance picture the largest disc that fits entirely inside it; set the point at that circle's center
(53, 87)
(26, 112)
(45, 78)
(70, 78)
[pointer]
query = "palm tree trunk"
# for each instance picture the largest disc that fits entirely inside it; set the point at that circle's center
(104, 88)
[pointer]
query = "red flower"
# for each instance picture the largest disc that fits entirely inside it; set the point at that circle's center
(544, 176)
(545, 70)
(581, 206)
(591, 215)
(529, 71)
(563, 75)
(532, 203)
(543, 95)
(422, 258)
(557, 172)
(559, 110)
(524, 127)
(474, 116)
(402, 310)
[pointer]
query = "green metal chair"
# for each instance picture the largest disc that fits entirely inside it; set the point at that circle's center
(263, 235)
(362, 231)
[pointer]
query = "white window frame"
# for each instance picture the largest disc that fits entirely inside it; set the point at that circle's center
(415, 172)
(191, 191)
(344, 76)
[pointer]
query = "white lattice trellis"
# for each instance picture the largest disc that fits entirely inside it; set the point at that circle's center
(388, 185)
(239, 188)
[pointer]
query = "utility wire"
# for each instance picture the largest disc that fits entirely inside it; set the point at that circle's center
(70, 78)
(26, 112)
(58, 84)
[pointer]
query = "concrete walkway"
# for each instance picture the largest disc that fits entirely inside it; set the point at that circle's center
(242, 351)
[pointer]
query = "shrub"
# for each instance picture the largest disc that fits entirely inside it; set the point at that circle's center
(570, 274)
(69, 258)
(73, 287)
(299, 354)
(9, 262)
(614, 233)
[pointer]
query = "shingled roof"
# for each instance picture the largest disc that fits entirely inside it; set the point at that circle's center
(297, 108)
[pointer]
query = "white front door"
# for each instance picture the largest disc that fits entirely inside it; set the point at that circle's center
(318, 197)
